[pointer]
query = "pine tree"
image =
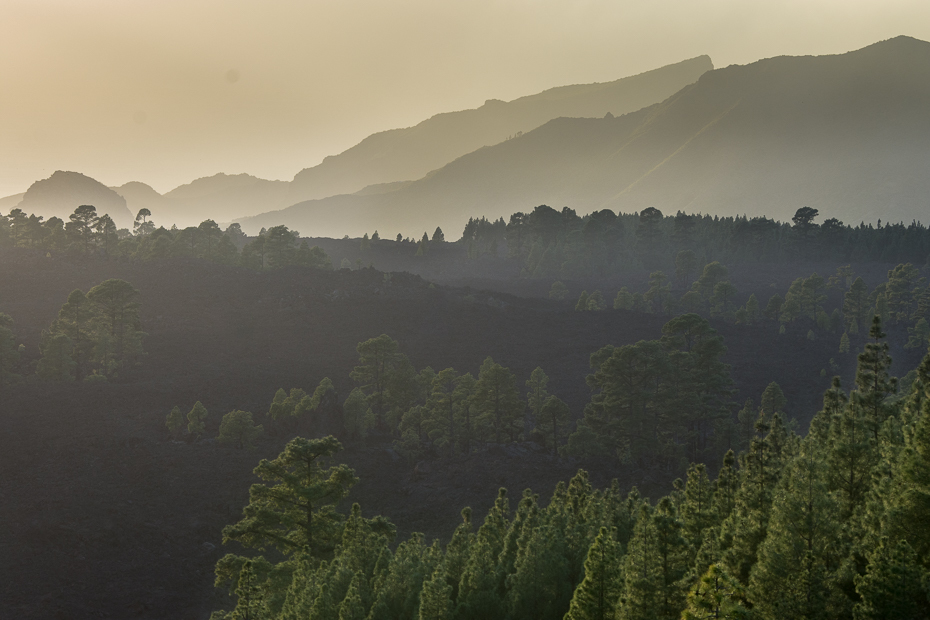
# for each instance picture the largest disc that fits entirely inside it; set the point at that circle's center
(582, 301)
(118, 334)
(850, 453)
(746, 527)
(357, 416)
(57, 363)
(908, 503)
(872, 379)
(74, 321)
(293, 509)
(435, 598)
(238, 428)
(792, 578)
(641, 572)
(398, 595)
(175, 422)
(478, 595)
(558, 291)
(716, 596)
(596, 597)
(844, 343)
(195, 418)
(697, 508)
(351, 607)
(540, 587)
(457, 553)
(752, 309)
(447, 421)
(378, 358)
(553, 421)
(726, 488)
(891, 586)
(498, 408)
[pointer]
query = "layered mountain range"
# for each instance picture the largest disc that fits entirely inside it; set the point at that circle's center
(847, 134)
(382, 160)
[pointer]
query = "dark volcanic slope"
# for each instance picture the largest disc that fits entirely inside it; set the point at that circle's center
(847, 134)
(101, 514)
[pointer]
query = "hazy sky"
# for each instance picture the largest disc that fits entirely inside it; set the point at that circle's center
(165, 91)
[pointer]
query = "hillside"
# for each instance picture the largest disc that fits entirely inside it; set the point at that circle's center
(846, 134)
(221, 197)
(104, 515)
(410, 153)
(141, 196)
(60, 194)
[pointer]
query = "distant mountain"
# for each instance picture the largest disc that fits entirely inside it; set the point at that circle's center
(388, 161)
(10, 202)
(846, 134)
(60, 194)
(222, 197)
(141, 196)
(410, 153)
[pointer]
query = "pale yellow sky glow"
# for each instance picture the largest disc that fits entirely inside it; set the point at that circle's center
(146, 89)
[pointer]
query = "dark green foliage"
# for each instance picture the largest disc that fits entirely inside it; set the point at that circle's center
(596, 596)
(831, 526)
(716, 596)
(793, 575)
(498, 409)
(892, 586)
(238, 428)
(872, 379)
(292, 510)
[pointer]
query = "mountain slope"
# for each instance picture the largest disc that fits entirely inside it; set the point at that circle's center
(410, 153)
(847, 134)
(222, 197)
(141, 196)
(60, 194)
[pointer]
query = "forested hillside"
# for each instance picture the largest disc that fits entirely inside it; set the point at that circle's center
(146, 372)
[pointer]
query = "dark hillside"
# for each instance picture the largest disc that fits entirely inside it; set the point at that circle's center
(105, 517)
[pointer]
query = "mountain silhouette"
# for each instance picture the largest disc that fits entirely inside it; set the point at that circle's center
(412, 152)
(141, 196)
(63, 192)
(390, 160)
(221, 197)
(846, 134)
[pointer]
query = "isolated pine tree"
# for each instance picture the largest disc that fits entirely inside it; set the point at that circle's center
(238, 428)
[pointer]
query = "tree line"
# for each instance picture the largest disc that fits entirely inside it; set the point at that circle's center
(829, 525)
(88, 234)
(901, 300)
(562, 244)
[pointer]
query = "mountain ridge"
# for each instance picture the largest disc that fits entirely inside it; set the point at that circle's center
(844, 133)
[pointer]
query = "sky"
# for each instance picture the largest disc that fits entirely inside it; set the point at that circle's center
(166, 91)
